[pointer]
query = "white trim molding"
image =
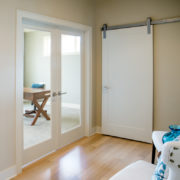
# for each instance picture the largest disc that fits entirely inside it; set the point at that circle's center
(24, 16)
(98, 130)
(93, 131)
(8, 173)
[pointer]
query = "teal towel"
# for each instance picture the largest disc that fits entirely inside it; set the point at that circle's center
(36, 85)
(173, 134)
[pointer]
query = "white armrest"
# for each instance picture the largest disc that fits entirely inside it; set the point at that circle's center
(157, 139)
(140, 170)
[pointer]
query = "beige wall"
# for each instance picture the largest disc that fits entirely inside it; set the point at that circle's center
(80, 11)
(166, 52)
(166, 75)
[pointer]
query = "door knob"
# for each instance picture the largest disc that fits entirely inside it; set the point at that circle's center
(61, 93)
(54, 94)
(106, 87)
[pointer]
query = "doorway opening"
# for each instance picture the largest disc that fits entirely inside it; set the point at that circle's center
(53, 85)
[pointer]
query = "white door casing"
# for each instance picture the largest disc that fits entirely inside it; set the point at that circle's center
(23, 16)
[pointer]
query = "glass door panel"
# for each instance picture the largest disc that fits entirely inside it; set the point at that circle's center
(70, 82)
(37, 86)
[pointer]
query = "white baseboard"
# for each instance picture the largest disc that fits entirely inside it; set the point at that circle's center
(8, 173)
(93, 131)
(98, 129)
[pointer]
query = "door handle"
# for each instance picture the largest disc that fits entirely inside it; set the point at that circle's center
(54, 94)
(106, 87)
(61, 93)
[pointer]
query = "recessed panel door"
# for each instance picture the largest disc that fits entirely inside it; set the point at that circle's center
(127, 87)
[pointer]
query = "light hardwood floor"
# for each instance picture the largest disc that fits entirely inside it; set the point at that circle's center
(95, 158)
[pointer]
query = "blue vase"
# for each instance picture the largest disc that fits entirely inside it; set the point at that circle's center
(170, 136)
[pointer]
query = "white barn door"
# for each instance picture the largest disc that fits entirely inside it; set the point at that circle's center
(127, 87)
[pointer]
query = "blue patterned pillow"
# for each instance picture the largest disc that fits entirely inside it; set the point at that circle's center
(161, 171)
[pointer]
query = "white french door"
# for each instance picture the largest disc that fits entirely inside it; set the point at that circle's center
(39, 70)
(71, 87)
(54, 59)
(127, 88)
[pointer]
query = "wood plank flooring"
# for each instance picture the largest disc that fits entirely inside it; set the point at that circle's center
(95, 158)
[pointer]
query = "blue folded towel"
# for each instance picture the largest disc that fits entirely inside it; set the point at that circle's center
(173, 134)
(36, 85)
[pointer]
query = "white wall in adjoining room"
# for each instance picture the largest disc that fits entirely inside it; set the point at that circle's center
(37, 60)
(37, 67)
(71, 78)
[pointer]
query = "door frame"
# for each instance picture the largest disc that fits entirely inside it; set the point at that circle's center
(23, 15)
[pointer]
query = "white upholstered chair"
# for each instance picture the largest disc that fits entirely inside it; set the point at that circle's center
(157, 143)
(142, 170)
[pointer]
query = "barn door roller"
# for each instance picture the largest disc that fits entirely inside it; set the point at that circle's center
(147, 23)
